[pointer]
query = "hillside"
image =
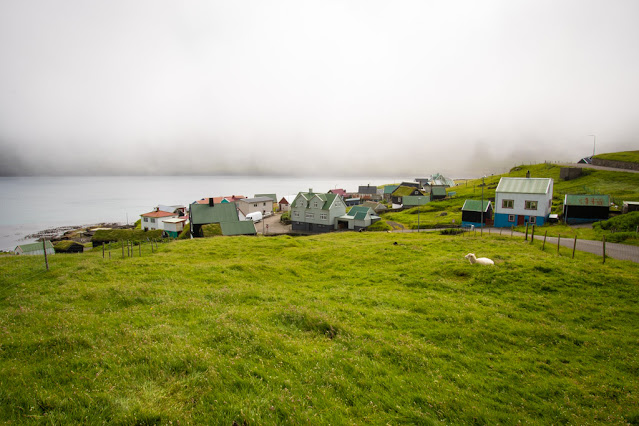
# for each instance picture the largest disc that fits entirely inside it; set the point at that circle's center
(342, 328)
(619, 185)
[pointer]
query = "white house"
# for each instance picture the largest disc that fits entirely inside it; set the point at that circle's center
(312, 212)
(522, 200)
(173, 226)
(263, 205)
(153, 220)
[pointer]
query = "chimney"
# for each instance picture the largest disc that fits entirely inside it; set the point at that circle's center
(310, 190)
(211, 203)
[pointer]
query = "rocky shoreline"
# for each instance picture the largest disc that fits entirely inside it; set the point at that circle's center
(78, 233)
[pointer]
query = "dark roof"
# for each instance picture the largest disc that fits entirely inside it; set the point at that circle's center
(372, 190)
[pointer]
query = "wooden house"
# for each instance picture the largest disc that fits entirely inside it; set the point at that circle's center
(472, 211)
(586, 208)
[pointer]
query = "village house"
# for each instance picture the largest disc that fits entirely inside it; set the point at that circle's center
(313, 212)
(472, 211)
(405, 191)
(437, 192)
(35, 249)
(369, 192)
(174, 226)
(204, 214)
(358, 218)
(388, 192)
(154, 219)
(522, 200)
(263, 205)
(284, 205)
(377, 207)
(415, 200)
(586, 208)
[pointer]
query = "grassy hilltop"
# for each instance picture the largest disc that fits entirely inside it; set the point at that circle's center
(345, 328)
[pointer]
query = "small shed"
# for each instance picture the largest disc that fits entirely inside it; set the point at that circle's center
(630, 206)
(437, 193)
(284, 205)
(173, 226)
(413, 201)
(586, 208)
(35, 249)
(472, 212)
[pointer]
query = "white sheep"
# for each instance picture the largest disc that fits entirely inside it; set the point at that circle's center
(482, 260)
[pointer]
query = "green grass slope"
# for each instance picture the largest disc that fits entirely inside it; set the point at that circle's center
(345, 328)
(628, 156)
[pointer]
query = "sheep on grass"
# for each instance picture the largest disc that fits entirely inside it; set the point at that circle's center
(482, 260)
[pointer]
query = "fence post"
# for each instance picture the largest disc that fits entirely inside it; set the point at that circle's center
(526, 237)
(102, 249)
(558, 241)
(122, 249)
(44, 246)
(543, 246)
(604, 249)
(532, 234)
(140, 248)
(574, 246)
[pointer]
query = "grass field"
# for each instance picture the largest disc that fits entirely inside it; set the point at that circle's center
(345, 328)
(629, 156)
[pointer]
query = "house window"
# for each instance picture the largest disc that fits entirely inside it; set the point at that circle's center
(532, 219)
(338, 204)
(296, 214)
(323, 216)
(255, 205)
(310, 215)
(507, 204)
(146, 219)
(300, 203)
(511, 218)
(264, 204)
(315, 204)
(152, 220)
(530, 205)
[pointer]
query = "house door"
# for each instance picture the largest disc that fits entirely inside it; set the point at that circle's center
(520, 219)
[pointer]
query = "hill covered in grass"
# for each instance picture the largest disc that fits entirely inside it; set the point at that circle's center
(620, 185)
(343, 328)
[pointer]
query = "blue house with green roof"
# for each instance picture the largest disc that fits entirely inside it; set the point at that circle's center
(316, 212)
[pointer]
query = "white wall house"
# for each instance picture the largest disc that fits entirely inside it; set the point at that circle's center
(263, 205)
(312, 212)
(522, 200)
(153, 220)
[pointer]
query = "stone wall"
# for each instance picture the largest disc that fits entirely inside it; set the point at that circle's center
(616, 164)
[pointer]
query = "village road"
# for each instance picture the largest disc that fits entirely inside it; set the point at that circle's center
(272, 226)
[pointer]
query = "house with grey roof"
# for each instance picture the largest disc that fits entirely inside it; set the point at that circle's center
(316, 212)
(369, 192)
(522, 200)
(357, 218)
(262, 204)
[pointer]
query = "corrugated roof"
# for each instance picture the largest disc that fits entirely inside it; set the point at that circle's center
(34, 246)
(256, 200)
(524, 185)
(224, 212)
(355, 210)
(243, 227)
(587, 200)
(438, 190)
(413, 200)
(475, 205)
(389, 189)
(360, 216)
(271, 196)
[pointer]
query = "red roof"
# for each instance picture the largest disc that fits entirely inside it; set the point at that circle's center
(158, 214)
(341, 192)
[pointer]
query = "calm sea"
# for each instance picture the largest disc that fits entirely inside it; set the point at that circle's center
(32, 204)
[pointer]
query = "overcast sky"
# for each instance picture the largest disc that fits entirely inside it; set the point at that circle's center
(325, 87)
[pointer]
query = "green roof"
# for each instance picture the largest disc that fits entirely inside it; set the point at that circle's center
(355, 210)
(438, 190)
(413, 200)
(524, 185)
(223, 212)
(475, 205)
(242, 227)
(34, 246)
(389, 189)
(327, 198)
(359, 216)
(587, 200)
(403, 191)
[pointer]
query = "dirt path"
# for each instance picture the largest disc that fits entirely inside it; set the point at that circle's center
(396, 226)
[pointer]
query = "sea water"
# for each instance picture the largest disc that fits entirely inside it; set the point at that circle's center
(32, 204)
